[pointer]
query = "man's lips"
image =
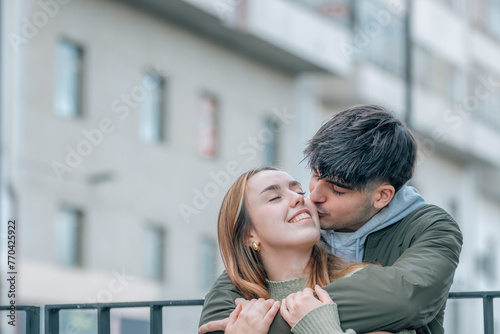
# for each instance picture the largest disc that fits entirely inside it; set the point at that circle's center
(300, 215)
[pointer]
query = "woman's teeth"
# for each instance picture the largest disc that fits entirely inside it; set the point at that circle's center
(300, 217)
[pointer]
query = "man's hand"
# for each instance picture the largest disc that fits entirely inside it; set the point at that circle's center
(221, 325)
(298, 304)
(213, 326)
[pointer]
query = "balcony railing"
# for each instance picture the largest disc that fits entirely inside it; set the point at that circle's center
(156, 308)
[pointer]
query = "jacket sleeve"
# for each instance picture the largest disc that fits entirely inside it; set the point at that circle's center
(407, 294)
(219, 302)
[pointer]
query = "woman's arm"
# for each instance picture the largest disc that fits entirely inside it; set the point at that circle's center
(306, 314)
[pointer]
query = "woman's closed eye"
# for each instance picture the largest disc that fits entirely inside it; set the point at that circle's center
(276, 197)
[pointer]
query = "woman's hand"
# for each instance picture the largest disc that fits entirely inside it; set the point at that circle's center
(254, 316)
(298, 304)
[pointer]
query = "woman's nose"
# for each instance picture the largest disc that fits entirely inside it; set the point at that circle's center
(297, 200)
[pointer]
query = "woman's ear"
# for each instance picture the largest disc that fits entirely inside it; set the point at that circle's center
(252, 236)
(383, 195)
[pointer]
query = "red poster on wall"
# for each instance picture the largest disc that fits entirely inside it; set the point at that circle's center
(207, 127)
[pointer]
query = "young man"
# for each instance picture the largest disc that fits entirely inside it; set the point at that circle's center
(361, 160)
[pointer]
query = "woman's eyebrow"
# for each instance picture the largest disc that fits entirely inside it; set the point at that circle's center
(291, 184)
(271, 187)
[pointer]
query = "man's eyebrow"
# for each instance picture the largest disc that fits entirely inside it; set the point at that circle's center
(277, 187)
(338, 184)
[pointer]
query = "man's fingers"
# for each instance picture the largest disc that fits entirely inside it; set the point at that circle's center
(216, 325)
(323, 296)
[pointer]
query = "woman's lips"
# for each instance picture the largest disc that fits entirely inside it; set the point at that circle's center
(300, 215)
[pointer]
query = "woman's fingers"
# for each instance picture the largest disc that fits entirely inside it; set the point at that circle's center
(269, 317)
(284, 311)
(234, 315)
(323, 296)
(241, 301)
(290, 300)
(262, 306)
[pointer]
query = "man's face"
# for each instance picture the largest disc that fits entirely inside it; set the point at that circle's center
(340, 209)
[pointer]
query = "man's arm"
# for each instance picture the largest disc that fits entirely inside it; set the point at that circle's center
(407, 294)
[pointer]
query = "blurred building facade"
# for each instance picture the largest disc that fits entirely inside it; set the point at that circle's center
(124, 122)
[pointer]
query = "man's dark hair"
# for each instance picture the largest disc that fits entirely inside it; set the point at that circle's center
(363, 144)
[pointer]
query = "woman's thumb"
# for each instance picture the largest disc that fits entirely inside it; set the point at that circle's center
(323, 296)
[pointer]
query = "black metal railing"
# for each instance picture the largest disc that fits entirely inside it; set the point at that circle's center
(32, 322)
(103, 313)
(487, 297)
(156, 309)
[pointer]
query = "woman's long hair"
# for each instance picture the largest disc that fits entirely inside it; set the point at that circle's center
(243, 264)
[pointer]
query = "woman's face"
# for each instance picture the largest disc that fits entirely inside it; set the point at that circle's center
(282, 216)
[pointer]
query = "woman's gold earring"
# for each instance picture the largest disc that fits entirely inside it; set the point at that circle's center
(255, 247)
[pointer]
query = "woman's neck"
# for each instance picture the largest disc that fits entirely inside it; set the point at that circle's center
(286, 264)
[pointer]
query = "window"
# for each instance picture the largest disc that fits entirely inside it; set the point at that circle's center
(456, 5)
(154, 252)
(270, 141)
(68, 228)
(207, 126)
(485, 14)
(337, 10)
(438, 76)
(208, 259)
(68, 79)
(484, 99)
(486, 261)
(151, 113)
(383, 33)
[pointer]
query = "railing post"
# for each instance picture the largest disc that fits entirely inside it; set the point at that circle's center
(33, 320)
(103, 322)
(155, 320)
(488, 314)
(51, 320)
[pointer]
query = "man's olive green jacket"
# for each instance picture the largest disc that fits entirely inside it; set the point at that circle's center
(419, 256)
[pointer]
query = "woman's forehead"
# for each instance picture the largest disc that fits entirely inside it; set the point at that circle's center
(265, 178)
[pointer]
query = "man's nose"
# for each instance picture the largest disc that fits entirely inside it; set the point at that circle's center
(317, 195)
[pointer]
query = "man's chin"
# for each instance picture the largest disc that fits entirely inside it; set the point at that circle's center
(325, 224)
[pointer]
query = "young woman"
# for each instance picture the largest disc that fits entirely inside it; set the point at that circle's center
(268, 235)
